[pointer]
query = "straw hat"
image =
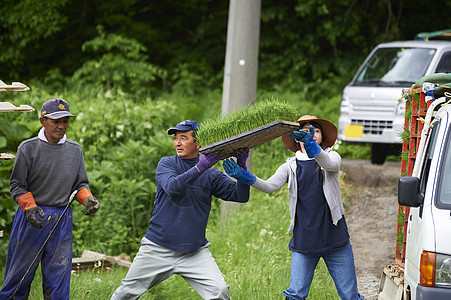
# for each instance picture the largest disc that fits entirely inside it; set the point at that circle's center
(328, 130)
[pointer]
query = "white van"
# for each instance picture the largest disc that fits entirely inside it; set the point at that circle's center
(427, 273)
(370, 111)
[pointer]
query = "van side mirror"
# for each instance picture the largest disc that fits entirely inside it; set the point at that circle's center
(409, 192)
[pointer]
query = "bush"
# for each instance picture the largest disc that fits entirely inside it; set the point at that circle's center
(121, 63)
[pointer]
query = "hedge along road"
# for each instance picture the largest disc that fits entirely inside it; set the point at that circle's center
(371, 214)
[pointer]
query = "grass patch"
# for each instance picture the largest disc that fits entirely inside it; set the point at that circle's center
(251, 249)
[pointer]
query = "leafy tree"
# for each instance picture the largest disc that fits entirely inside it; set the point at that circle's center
(27, 24)
(304, 44)
(121, 63)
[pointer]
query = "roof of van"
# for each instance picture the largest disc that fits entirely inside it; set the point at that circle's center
(420, 44)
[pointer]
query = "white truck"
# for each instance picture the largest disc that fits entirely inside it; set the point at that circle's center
(422, 268)
(370, 111)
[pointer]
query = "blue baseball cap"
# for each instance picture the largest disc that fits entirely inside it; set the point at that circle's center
(184, 126)
(55, 109)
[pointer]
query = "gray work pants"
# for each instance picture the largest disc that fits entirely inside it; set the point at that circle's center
(154, 264)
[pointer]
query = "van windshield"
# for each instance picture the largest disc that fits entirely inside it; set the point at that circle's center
(397, 67)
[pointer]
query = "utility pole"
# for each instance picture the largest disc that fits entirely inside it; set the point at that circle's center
(241, 59)
(241, 63)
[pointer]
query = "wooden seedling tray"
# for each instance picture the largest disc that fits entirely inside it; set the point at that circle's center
(6, 106)
(7, 156)
(14, 87)
(250, 139)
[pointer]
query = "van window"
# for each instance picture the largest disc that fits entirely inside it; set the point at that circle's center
(444, 66)
(428, 156)
(396, 67)
(444, 184)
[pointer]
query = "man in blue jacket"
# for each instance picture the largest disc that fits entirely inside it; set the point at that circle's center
(175, 242)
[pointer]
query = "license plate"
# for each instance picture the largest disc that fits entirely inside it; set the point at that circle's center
(354, 131)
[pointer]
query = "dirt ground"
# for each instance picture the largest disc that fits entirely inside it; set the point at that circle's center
(371, 211)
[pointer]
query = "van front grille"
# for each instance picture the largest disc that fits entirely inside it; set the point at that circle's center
(373, 126)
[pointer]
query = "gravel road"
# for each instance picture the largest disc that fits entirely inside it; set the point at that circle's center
(371, 212)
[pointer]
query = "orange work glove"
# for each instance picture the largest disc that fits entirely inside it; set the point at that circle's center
(86, 198)
(29, 206)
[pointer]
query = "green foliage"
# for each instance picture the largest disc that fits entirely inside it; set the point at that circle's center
(266, 157)
(303, 43)
(400, 233)
(26, 24)
(195, 107)
(121, 64)
(244, 119)
(354, 151)
(192, 78)
(323, 47)
(123, 142)
(25, 123)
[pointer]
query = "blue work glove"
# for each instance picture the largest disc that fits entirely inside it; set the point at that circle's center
(241, 158)
(299, 135)
(234, 170)
(310, 145)
(207, 161)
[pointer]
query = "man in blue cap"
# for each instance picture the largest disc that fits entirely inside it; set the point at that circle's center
(47, 169)
(175, 242)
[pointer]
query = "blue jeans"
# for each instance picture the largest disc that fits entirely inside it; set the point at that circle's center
(339, 262)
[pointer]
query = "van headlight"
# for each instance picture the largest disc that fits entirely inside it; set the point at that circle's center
(435, 270)
(443, 271)
(345, 106)
(401, 107)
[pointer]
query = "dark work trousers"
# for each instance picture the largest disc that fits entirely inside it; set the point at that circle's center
(55, 259)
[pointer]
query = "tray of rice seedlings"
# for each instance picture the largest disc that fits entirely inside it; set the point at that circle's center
(246, 128)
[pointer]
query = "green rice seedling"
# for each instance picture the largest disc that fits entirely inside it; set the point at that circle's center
(244, 119)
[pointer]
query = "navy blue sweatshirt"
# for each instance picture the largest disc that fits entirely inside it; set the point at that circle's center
(49, 171)
(183, 202)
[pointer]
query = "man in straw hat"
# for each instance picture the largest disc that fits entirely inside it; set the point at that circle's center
(317, 214)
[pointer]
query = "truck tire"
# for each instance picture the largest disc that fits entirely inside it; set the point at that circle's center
(378, 154)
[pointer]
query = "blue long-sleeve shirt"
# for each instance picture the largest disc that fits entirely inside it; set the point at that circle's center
(183, 202)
